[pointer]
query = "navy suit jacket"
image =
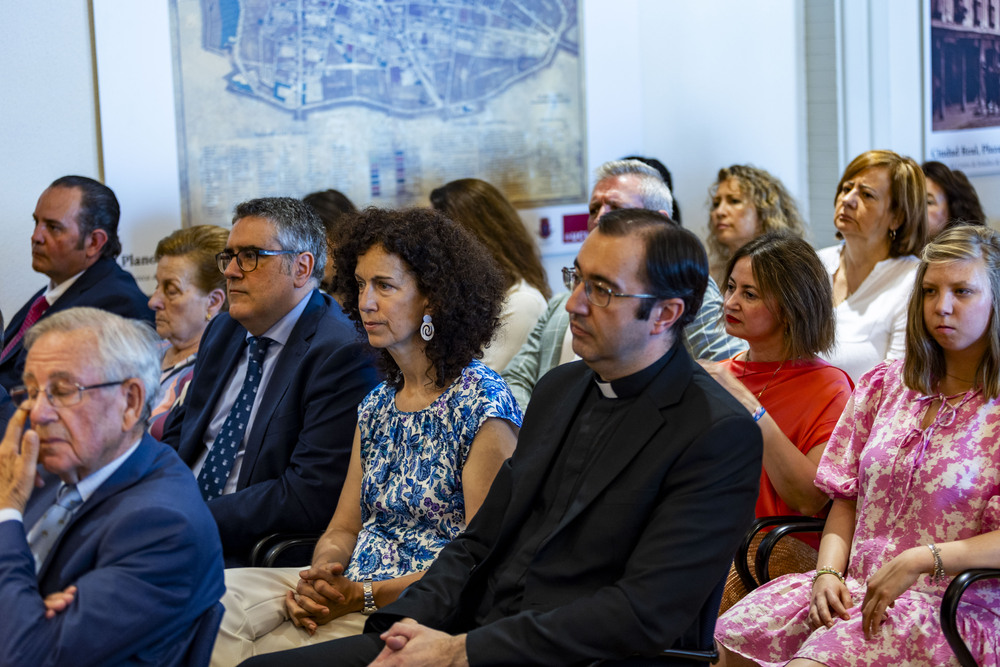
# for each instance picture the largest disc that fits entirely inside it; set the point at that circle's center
(631, 568)
(145, 556)
(300, 442)
(104, 285)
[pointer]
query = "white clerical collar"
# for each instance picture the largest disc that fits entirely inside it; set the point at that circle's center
(606, 389)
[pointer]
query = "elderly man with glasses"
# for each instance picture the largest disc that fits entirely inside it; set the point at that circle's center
(620, 184)
(268, 418)
(108, 555)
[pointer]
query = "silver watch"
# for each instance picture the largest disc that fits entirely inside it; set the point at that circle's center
(370, 607)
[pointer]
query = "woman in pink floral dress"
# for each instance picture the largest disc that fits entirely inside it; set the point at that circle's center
(913, 468)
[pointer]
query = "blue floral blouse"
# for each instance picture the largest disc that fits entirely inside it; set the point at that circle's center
(411, 490)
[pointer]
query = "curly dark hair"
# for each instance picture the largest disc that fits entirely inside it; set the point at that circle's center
(457, 275)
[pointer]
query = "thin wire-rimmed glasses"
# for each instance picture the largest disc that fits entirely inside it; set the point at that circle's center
(247, 258)
(61, 393)
(599, 295)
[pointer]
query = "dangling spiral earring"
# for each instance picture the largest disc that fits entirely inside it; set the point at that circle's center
(427, 328)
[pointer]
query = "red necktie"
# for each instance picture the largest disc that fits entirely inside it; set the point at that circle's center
(38, 308)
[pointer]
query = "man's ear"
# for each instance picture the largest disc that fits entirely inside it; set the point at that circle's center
(95, 242)
(302, 269)
(135, 401)
(665, 313)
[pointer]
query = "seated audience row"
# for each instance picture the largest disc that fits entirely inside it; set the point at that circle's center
(281, 379)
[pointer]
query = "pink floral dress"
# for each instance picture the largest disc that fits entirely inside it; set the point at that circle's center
(913, 486)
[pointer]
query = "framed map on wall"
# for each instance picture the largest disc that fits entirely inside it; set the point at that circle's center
(383, 100)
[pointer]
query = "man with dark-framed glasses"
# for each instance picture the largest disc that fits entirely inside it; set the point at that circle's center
(114, 558)
(267, 422)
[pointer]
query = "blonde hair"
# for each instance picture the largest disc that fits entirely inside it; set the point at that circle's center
(924, 365)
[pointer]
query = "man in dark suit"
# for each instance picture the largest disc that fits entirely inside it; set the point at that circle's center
(607, 534)
(269, 436)
(115, 560)
(75, 244)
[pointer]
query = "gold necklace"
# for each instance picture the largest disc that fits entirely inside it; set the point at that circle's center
(767, 384)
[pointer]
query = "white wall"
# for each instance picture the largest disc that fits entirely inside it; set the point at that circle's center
(48, 123)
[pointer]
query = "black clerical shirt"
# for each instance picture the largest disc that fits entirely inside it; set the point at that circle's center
(598, 416)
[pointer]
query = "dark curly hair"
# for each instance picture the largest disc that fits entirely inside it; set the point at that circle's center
(457, 275)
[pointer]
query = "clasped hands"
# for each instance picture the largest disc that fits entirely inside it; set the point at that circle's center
(322, 594)
(831, 599)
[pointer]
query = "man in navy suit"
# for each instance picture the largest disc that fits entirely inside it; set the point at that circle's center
(75, 243)
(115, 560)
(269, 437)
(607, 535)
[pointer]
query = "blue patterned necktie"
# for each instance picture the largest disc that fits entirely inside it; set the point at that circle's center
(43, 535)
(219, 463)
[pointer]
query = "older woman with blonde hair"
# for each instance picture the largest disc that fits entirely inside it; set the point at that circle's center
(746, 202)
(189, 292)
(881, 215)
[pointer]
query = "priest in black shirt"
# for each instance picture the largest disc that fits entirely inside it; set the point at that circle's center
(606, 534)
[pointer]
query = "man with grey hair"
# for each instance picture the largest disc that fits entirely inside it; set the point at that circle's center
(618, 184)
(113, 558)
(269, 417)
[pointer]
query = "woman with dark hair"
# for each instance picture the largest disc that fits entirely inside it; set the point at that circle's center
(951, 199)
(777, 298)
(746, 202)
(881, 215)
(190, 291)
(429, 440)
(913, 469)
(483, 210)
(332, 207)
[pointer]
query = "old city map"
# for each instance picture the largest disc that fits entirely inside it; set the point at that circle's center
(381, 99)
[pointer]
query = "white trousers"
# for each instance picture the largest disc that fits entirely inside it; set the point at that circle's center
(256, 622)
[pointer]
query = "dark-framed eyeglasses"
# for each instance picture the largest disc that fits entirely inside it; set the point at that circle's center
(61, 393)
(247, 258)
(597, 294)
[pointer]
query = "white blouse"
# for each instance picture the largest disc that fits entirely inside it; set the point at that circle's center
(871, 323)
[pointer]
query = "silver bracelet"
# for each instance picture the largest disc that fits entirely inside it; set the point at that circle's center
(938, 574)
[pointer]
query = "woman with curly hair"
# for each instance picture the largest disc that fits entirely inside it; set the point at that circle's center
(483, 210)
(745, 203)
(951, 199)
(429, 440)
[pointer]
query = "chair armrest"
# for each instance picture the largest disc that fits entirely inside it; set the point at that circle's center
(796, 524)
(949, 611)
(267, 551)
(742, 553)
(692, 655)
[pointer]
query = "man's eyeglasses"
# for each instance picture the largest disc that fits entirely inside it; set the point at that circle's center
(247, 258)
(597, 294)
(61, 393)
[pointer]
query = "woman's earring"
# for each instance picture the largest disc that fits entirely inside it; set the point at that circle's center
(892, 234)
(427, 328)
